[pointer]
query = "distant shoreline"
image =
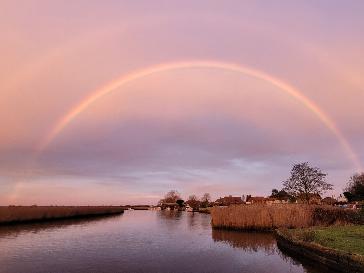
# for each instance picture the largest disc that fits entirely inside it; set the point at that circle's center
(26, 214)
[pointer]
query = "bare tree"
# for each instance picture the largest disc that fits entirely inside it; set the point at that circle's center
(193, 202)
(171, 197)
(306, 181)
(205, 200)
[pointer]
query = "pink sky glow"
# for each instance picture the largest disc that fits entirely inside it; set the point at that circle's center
(118, 102)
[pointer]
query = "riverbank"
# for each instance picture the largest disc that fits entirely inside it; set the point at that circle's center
(140, 241)
(205, 210)
(22, 214)
(337, 247)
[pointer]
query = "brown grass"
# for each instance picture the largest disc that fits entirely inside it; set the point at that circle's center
(268, 217)
(16, 214)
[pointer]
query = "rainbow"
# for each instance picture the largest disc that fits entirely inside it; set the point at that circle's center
(139, 74)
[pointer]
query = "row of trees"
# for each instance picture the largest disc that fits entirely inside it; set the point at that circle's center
(193, 201)
(306, 181)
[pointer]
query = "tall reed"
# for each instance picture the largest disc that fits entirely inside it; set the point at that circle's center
(267, 217)
(15, 214)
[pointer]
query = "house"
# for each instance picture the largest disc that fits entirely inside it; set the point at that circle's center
(228, 200)
(265, 200)
(313, 198)
(280, 201)
(255, 200)
(271, 200)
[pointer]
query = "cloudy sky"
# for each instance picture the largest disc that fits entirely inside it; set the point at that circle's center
(116, 102)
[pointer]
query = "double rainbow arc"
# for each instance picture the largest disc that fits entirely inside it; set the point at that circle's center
(139, 74)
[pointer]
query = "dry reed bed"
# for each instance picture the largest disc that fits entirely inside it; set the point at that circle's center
(269, 217)
(17, 214)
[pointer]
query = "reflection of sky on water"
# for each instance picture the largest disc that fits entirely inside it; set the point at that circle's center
(140, 241)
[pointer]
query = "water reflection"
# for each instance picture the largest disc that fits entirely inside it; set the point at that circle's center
(140, 241)
(14, 230)
(249, 241)
(194, 221)
(309, 265)
(170, 215)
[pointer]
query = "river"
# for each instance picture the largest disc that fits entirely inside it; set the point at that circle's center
(141, 241)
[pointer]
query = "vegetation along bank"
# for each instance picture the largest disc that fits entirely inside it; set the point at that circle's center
(340, 248)
(20, 214)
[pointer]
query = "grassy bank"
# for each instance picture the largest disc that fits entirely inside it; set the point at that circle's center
(269, 217)
(349, 239)
(19, 214)
(340, 248)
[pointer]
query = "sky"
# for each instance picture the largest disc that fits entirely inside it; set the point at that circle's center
(118, 102)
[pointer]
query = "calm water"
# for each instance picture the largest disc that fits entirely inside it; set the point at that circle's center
(140, 241)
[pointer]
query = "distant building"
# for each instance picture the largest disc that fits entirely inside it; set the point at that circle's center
(256, 199)
(228, 200)
(169, 206)
(314, 198)
(272, 200)
(264, 200)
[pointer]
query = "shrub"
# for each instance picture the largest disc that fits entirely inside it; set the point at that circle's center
(326, 216)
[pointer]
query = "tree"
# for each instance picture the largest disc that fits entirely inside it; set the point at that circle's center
(282, 195)
(306, 181)
(355, 188)
(180, 202)
(349, 196)
(274, 192)
(171, 197)
(193, 202)
(205, 200)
